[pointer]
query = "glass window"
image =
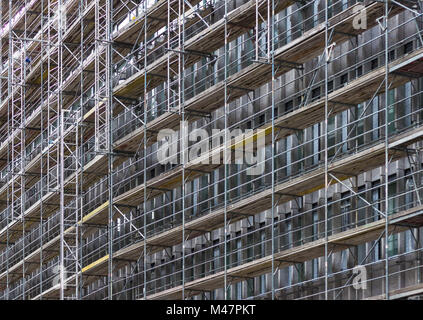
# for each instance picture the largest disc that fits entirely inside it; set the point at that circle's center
(238, 290)
(250, 242)
(391, 111)
(392, 196)
(315, 268)
(375, 118)
(344, 260)
(250, 287)
(216, 260)
(360, 125)
(345, 211)
(316, 143)
(262, 283)
(361, 206)
(376, 200)
(238, 256)
(409, 189)
(393, 245)
(344, 130)
(300, 271)
(331, 136)
(330, 211)
(407, 105)
(409, 241)
(289, 231)
(315, 223)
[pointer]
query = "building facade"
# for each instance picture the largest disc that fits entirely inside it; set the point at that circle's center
(211, 149)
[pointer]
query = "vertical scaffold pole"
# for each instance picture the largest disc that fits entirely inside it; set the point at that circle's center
(81, 154)
(60, 132)
(271, 22)
(109, 138)
(22, 144)
(184, 142)
(386, 151)
(16, 132)
(9, 158)
(326, 147)
(225, 155)
(145, 154)
(43, 48)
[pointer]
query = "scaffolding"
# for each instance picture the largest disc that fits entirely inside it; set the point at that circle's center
(211, 149)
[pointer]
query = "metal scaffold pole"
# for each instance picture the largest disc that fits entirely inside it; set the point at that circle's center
(387, 160)
(53, 150)
(326, 62)
(70, 179)
(22, 148)
(16, 114)
(80, 157)
(328, 105)
(61, 154)
(8, 135)
(226, 158)
(9, 153)
(103, 113)
(109, 136)
(272, 37)
(145, 131)
(43, 48)
(184, 131)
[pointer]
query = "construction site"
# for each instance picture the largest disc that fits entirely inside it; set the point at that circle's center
(211, 149)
